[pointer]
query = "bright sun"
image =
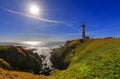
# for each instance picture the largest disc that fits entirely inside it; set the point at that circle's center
(34, 9)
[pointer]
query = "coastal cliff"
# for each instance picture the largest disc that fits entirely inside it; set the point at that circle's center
(16, 58)
(88, 59)
(77, 59)
(60, 56)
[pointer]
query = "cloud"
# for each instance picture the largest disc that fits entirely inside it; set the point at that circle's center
(40, 19)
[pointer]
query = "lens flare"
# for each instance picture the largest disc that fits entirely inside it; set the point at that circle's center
(34, 9)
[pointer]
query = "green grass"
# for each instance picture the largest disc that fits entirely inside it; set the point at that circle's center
(94, 59)
(3, 48)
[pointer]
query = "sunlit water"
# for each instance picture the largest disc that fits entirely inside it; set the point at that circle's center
(41, 48)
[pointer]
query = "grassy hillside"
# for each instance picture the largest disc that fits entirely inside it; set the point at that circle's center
(5, 74)
(94, 59)
(91, 59)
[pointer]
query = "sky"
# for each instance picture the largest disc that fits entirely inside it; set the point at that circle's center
(58, 20)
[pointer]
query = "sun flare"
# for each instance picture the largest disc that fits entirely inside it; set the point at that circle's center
(34, 9)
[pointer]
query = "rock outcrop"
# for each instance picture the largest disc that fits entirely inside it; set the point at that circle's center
(59, 56)
(20, 59)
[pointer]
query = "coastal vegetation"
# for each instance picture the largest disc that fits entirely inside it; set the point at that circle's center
(83, 59)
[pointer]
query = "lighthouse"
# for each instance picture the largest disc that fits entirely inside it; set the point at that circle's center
(83, 30)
